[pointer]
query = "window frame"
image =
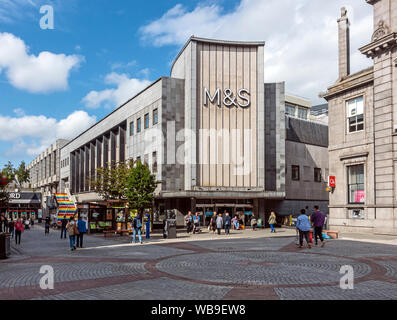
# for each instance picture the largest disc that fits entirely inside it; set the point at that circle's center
(155, 116)
(359, 118)
(292, 173)
(318, 172)
(138, 125)
(146, 121)
(132, 129)
(348, 168)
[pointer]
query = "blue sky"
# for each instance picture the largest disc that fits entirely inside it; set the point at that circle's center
(56, 83)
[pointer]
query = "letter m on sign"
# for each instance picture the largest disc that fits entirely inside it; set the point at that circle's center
(207, 96)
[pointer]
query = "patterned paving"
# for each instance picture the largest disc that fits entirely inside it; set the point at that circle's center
(260, 267)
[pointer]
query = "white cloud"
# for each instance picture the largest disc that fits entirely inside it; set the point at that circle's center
(41, 131)
(301, 36)
(126, 89)
(44, 73)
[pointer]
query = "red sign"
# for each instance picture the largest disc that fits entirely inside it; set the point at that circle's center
(332, 181)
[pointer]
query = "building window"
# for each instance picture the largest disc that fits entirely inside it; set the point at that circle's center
(355, 176)
(290, 110)
(146, 120)
(138, 159)
(146, 160)
(138, 125)
(317, 175)
(302, 113)
(355, 114)
(131, 128)
(154, 165)
(155, 116)
(295, 174)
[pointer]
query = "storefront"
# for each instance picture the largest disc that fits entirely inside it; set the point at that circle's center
(106, 216)
(23, 205)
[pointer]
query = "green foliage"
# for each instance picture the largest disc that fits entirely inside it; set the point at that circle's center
(141, 184)
(8, 171)
(22, 173)
(110, 181)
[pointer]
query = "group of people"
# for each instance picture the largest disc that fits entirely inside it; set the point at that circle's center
(304, 226)
(15, 228)
(76, 231)
(224, 221)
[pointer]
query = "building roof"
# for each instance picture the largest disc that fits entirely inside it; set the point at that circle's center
(320, 109)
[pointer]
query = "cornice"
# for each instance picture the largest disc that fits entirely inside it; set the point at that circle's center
(380, 45)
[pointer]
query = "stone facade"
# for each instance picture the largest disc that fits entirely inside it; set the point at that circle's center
(214, 134)
(372, 146)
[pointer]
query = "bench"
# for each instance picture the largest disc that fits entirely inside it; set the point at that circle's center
(332, 234)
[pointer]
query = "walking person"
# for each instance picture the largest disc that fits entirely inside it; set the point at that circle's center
(189, 222)
(47, 226)
(213, 222)
(272, 221)
(228, 222)
(318, 220)
(64, 222)
(11, 228)
(137, 229)
(303, 226)
(254, 222)
(219, 223)
(18, 231)
(82, 228)
(72, 228)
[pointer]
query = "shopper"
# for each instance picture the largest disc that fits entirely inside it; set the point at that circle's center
(228, 222)
(137, 228)
(18, 231)
(11, 227)
(236, 225)
(189, 222)
(47, 226)
(318, 220)
(82, 228)
(64, 222)
(219, 223)
(303, 226)
(272, 221)
(254, 222)
(72, 228)
(213, 222)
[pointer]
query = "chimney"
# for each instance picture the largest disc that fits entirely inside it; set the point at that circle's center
(344, 45)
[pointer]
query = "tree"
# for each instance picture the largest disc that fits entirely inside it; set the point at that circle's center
(8, 171)
(4, 195)
(22, 173)
(110, 181)
(141, 184)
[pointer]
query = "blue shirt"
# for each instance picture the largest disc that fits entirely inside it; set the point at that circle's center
(303, 223)
(81, 226)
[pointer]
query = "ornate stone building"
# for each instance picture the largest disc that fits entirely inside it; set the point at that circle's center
(363, 130)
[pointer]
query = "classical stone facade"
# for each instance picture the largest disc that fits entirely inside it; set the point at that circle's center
(362, 130)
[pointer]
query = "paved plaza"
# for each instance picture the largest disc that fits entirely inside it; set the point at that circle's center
(246, 265)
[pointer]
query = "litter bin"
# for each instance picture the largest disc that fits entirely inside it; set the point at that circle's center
(169, 229)
(5, 249)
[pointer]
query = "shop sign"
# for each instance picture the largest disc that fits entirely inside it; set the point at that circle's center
(229, 98)
(15, 195)
(332, 181)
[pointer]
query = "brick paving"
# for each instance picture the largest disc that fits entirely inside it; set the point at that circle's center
(243, 266)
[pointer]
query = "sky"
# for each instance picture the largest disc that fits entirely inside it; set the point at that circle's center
(57, 82)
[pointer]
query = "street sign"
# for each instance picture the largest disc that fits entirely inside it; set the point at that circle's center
(332, 181)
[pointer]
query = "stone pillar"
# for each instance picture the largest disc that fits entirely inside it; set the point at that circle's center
(344, 45)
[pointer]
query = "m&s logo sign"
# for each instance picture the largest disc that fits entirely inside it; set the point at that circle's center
(228, 98)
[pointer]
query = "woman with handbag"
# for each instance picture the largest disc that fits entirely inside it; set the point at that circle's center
(72, 228)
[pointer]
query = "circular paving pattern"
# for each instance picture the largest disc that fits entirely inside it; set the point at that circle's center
(260, 268)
